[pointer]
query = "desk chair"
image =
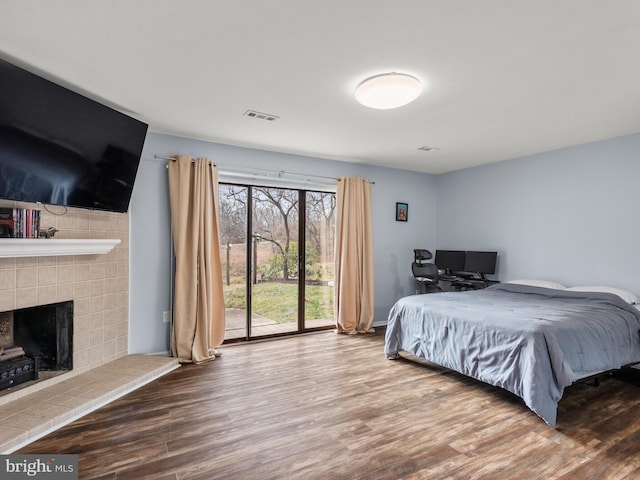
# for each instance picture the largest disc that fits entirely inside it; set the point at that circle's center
(426, 274)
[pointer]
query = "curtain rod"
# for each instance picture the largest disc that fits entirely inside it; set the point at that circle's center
(173, 158)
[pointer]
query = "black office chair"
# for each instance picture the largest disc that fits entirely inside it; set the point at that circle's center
(425, 273)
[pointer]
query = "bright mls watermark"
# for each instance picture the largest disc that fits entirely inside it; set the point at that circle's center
(51, 467)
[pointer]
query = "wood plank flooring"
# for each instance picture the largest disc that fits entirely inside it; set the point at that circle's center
(331, 407)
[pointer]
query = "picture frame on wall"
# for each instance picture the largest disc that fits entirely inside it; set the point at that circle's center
(402, 212)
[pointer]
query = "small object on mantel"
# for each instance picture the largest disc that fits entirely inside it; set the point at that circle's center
(49, 232)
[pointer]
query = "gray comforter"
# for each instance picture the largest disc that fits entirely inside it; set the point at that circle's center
(531, 341)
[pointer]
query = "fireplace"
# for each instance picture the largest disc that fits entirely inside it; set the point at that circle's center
(33, 340)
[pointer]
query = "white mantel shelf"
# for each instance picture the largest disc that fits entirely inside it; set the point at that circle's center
(52, 247)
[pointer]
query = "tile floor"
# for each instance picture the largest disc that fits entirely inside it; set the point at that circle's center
(33, 415)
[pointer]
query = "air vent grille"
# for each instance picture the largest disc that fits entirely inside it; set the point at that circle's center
(261, 116)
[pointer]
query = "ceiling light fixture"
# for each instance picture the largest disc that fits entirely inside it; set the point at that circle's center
(389, 90)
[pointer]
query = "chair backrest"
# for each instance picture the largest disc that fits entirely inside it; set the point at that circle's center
(420, 255)
(425, 270)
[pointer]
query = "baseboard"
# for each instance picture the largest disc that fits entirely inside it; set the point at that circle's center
(166, 353)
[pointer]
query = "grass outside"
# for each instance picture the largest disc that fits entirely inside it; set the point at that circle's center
(278, 301)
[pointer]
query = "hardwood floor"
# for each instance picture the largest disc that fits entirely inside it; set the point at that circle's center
(327, 406)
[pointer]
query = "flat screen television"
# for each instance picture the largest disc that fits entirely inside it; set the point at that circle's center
(58, 147)
(450, 260)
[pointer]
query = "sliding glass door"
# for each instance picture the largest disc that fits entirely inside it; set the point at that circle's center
(272, 285)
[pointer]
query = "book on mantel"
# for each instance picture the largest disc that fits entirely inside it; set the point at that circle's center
(19, 222)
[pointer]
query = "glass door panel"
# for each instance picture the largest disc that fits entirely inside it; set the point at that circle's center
(274, 233)
(319, 259)
(233, 256)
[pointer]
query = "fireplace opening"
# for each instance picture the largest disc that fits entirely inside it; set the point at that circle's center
(33, 340)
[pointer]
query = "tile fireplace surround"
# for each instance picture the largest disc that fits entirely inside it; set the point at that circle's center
(97, 284)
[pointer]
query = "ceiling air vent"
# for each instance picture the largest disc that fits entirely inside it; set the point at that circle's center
(261, 116)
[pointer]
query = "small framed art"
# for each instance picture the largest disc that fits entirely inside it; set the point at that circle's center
(402, 211)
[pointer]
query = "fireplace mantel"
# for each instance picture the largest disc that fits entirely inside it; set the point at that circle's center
(51, 247)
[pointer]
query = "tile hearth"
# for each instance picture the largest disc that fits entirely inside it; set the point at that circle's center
(33, 415)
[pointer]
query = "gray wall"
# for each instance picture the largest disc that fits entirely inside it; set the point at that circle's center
(150, 241)
(569, 215)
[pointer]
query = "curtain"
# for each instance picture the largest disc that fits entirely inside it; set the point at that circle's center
(198, 309)
(354, 257)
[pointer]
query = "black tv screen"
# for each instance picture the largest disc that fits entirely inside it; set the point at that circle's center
(58, 147)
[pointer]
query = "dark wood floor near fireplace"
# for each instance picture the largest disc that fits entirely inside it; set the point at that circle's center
(327, 406)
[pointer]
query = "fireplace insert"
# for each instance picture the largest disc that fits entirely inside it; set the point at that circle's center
(17, 370)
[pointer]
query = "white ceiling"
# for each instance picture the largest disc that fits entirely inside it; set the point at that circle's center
(503, 78)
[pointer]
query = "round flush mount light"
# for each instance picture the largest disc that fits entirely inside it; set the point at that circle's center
(389, 90)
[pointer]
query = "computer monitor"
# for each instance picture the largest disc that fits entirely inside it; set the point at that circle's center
(481, 262)
(450, 260)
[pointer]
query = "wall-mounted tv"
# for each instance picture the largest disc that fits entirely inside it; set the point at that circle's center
(58, 147)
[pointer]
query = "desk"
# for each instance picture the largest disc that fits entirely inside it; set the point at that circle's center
(458, 284)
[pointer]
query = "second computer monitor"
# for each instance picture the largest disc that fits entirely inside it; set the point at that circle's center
(450, 260)
(481, 262)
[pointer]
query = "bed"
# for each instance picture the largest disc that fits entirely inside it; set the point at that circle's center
(532, 341)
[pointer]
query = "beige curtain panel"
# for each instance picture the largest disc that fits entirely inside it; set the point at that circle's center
(198, 310)
(354, 257)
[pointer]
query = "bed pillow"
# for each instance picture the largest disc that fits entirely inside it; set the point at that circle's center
(539, 283)
(624, 294)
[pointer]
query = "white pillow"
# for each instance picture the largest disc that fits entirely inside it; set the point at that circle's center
(539, 283)
(623, 294)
